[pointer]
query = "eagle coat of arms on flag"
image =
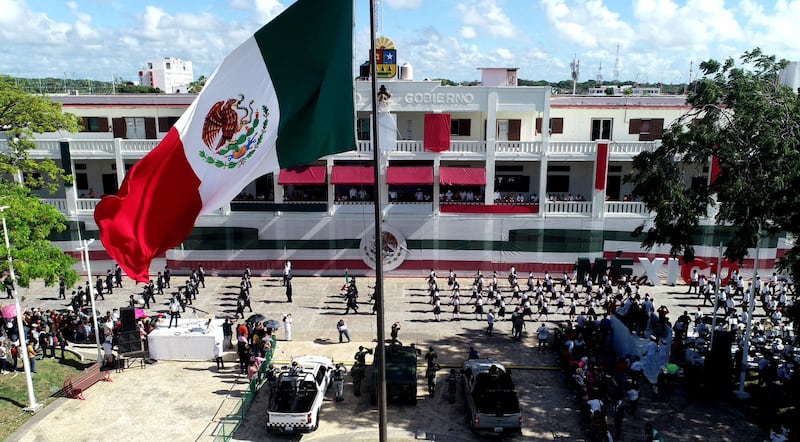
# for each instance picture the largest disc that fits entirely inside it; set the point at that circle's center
(232, 132)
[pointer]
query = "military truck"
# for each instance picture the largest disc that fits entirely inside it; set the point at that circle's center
(401, 374)
(491, 398)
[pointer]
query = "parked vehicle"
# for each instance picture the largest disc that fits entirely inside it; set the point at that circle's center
(401, 374)
(491, 398)
(299, 392)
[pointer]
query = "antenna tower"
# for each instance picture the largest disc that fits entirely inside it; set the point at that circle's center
(575, 66)
(691, 72)
(600, 74)
(616, 67)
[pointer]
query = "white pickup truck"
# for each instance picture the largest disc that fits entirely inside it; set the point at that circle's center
(297, 398)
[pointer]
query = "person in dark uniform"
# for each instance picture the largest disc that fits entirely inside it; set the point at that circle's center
(358, 374)
(288, 291)
(452, 386)
(118, 275)
(167, 277)
(110, 282)
(160, 283)
(430, 375)
(99, 288)
(62, 288)
(201, 275)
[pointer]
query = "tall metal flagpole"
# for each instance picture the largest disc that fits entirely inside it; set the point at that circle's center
(716, 297)
(741, 394)
(23, 350)
(380, 354)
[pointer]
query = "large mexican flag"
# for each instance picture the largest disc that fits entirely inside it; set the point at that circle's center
(284, 98)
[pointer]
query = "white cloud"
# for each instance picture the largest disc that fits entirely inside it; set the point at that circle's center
(694, 25)
(773, 30)
(587, 23)
(505, 54)
(404, 4)
(268, 9)
(485, 14)
(467, 32)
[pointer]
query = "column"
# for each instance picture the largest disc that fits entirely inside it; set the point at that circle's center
(543, 162)
(119, 161)
(331, 187)
(437, 188)
(491, 141)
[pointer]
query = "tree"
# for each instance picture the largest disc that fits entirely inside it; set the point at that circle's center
(196, 87)
(22, 116)
(742, 118)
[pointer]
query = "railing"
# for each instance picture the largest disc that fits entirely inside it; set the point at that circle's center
(630, 148)
(230, 423)
(138, 146)
(571, 207)
(92, 147)
(58, 203)
(87, 204)
(571, 147)
(626, 207)
(417, 146)
(43, 149)
(527, 147)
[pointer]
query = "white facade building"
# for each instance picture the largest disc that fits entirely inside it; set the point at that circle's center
(171, 75)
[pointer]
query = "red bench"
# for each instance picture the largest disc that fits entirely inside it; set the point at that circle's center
(76, 385)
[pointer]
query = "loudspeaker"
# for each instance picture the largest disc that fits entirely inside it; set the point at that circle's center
(719, 365)
(129, 342)
(128, 317)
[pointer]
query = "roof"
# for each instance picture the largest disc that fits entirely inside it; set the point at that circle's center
(618, 101)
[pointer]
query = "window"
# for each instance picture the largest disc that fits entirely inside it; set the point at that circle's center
(166, 123)
(509, 130)
(363, 129)
(557, 184)
(556, 125)
(601, 129)
(648, 129)
(95, 124)
(168, 66)
(461, 126)
(82, 181)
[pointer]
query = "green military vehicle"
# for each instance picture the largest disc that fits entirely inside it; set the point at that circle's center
(401, 374)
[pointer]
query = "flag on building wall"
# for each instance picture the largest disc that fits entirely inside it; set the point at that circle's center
(284, 98)
(601, 167)
(437, 132)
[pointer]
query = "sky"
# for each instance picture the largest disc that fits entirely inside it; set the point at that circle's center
(656, 39)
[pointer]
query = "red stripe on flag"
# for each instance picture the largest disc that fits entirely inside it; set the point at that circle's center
(437, 132)
(601, 166)
(154, 211)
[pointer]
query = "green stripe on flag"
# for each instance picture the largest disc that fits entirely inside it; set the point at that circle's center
(308, 51)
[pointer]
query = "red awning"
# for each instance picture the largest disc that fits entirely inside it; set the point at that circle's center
(461, 176)
(362, 175)
(303, 175)
(409, 175)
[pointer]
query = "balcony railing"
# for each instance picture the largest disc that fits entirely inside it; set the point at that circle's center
(626, 208)
(526, 147)
(571, 147)
(87, 204)
(92, 147)
(58, 203)
(141, 147)
(569, 207)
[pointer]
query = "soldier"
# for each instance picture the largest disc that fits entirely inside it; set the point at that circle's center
(272, 378)
(431, 356)
(109, 282)
(338, 382)
(62, 288)
(167, 277)
(361, 355)
(117, 276)
(430, 374)
(452, 385)
(99, 289)
(358, 373)
(160, 283)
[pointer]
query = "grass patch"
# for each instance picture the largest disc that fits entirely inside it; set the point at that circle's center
(47, 383)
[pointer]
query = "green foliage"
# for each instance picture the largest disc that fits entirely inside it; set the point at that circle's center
(196, 87)
(751, 123)
(23, 115)
(30, 222)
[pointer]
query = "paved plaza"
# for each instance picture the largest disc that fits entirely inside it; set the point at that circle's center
(184, 401)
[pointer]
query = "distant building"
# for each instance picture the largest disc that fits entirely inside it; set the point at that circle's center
(494, 77)
(625, 90)
(790, 76)
(171, 75)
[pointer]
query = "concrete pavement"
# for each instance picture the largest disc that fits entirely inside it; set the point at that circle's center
(185, 400)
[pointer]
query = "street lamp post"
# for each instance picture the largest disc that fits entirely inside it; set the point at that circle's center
(85, 253)
(26, 364)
